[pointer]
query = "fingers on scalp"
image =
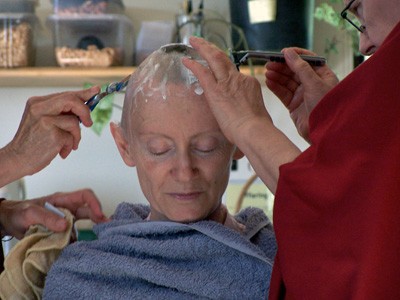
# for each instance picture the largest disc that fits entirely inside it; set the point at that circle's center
(210, 52)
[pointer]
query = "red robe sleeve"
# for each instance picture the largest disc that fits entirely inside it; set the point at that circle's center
(337, 206)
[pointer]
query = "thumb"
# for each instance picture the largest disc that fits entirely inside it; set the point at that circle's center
(52, 221)
(300, 67)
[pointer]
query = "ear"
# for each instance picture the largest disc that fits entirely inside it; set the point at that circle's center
(122, 144)
(237, 154)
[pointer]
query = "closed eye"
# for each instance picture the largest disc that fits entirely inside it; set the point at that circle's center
(205, 150)
(159, 153)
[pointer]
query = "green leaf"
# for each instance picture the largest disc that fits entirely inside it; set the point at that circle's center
(102, 113)
(87, 85)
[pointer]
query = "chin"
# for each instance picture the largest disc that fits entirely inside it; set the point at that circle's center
(187, 218)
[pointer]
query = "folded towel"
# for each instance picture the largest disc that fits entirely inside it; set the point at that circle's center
(138, 259)
(30, 259)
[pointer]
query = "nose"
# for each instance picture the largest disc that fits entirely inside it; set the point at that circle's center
(185, 167)
(366, 47)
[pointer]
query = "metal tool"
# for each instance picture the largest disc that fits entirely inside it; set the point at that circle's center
(240, 57)
(54, 209)
(111, 88)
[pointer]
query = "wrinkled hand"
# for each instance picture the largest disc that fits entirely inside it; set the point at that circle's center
(49, 126)
(299, 86)
(17, 216)
(234, 98)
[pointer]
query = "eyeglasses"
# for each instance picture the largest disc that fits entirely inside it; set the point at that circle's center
(343, 14)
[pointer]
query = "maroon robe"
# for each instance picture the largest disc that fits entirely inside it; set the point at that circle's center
(337, 206)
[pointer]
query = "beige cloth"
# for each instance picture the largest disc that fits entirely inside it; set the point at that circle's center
(27, 264)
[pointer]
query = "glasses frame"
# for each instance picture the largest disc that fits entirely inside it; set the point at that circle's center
(343, 14)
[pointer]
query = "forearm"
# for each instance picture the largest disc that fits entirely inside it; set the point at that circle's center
(10, 168)
(267, 148)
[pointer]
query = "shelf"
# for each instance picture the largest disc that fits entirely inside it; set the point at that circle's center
(68, 77)
(60, 77)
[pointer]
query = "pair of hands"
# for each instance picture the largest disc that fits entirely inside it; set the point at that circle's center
(236, 99)
(17, 216)
(237, 104)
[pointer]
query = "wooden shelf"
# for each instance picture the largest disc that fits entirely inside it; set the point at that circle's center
(67, 77)
(60, 77)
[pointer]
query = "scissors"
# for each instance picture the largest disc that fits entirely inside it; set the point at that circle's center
(240, 57)
(111, 88)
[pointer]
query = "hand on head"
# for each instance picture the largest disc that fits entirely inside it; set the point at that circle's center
(49, 126)
(237, 103)
(235, 99)
(17, 216)
(299, 86)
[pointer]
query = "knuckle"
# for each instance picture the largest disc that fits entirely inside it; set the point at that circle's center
(32, 106)
(29, 213)
(218, 55)
(88, 194)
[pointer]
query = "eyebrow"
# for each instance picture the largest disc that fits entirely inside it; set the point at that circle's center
(158, 134)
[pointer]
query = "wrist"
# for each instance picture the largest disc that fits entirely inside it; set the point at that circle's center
(267, 148)
(248, 131)
(11, 166)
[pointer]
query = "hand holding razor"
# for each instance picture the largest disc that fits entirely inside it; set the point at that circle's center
(240, 57)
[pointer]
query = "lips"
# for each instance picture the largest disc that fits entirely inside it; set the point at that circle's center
(371, 50)
(186, 196)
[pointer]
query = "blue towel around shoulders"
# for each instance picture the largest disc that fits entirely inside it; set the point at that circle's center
(138, 259)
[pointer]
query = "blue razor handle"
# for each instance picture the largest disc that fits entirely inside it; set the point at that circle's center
(92, 102)
(111, 88)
